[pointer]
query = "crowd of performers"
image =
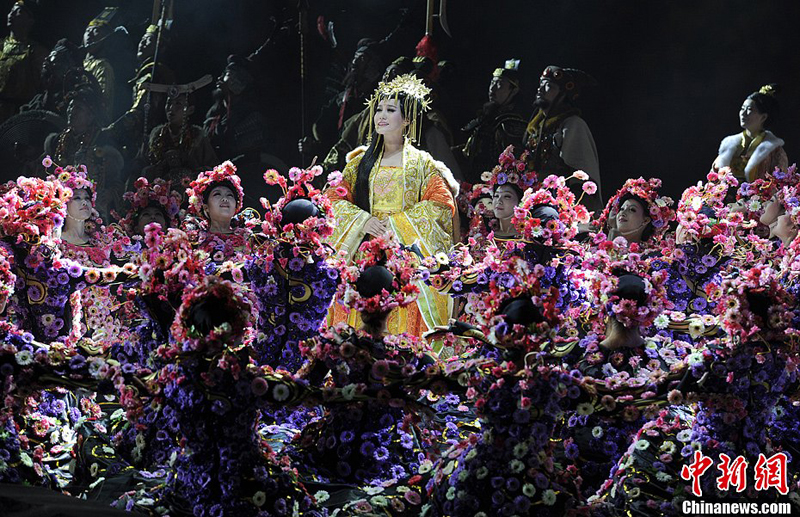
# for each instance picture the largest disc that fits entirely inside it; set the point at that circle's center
(388, 345)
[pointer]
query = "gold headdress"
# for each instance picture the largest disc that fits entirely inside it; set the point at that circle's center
(416, 100)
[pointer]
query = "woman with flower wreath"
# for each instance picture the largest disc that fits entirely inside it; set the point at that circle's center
(376, 441)
(85, 240)
(392, 187)
(216, 198)
(637, 213)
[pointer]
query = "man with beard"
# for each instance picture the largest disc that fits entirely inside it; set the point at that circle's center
(557, 137)
(20, 61)
(497, 125)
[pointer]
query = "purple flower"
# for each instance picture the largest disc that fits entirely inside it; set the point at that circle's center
(381, 454)
(367, 448)
(347, 436)
(296, 264)
(333, 274)
(77, 362)
(572, 450)
(708, 260)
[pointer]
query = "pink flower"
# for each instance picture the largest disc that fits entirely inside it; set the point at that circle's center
(335, 178)
(590, 187)
(580, 175)
(47, 162)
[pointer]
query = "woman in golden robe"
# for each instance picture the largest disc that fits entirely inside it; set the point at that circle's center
(391, 187)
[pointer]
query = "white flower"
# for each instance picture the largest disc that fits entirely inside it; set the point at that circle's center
(642, 445)
(322, 496)
(754, 205)
(379, 501)
(528, 490)
(482, 472)
(580, 175)
(451, 493)
(516, 466)
(280, 392)
(24, 357)
(94, 469)
(585, 408)
(259, 498)
(661, 321)
(520, 449)
(549, 497)
(663, 476)
(597, 432)
(372, 490)
(463, 475)
(349, 391)
(26, 460)
(668, 447)
(470, 455)
(696, 328)
(684, 435)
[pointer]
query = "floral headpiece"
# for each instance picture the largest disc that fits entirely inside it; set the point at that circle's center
(602, 269)
(735, 295)
(510, 170)
(791, 202)
(402, 263)
(553, 192)
(32, 208)
(417, 100)
(696, 200)
(147, 194)
(313, 230)
(231, 299)
(660, 207)
(225, 172)
(74, 178)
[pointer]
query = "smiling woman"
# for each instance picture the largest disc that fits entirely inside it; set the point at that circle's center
(390, 187)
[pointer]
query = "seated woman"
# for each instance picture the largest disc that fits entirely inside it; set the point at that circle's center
(215, 198)
(392, 187)
(756, 151)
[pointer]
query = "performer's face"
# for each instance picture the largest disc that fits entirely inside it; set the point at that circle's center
(149, 215)
(631, 216)
(504, 201)
(19, 18)
(772, 210)
(784, 229)
(178, 108)
(79, 115)
(221, 204)
(547, 93)
(147, 46)
(501, 90)
(80, 206)
(389, 118)
(750, 118)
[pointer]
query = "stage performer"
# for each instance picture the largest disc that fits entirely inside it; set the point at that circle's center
(756, 151)
(392, 187)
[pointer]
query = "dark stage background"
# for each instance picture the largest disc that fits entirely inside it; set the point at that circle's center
(671, 74)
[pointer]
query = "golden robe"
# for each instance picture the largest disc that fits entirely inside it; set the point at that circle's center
(415, 202)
